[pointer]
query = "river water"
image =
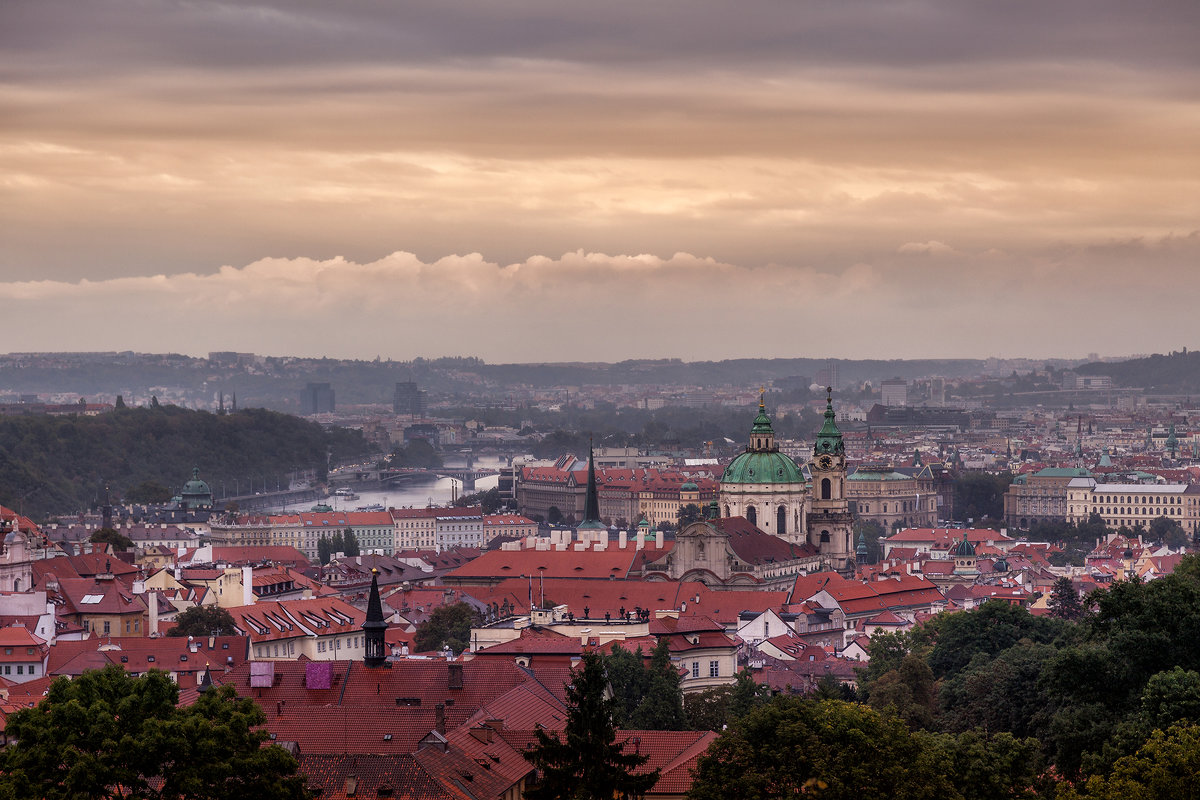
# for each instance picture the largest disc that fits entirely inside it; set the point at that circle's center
(436, 492)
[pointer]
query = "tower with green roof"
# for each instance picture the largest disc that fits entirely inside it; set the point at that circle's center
(765, 485)
(830, 523)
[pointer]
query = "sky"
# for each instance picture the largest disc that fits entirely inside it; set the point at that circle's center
(540, 180)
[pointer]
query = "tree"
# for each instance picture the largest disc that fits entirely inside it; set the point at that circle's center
(118, 540)
(589, 763)
(204, 621)
(106, 734)
(661, 708)
(1166, 766)
(120, 404)
(448, 626)
(350, 543)
(688, 514)
(1168, 531)
(627, 677)
(148, 492)
(792, 746)
(553, 515)
(1064, 600)
(908, 691)
(748, 694)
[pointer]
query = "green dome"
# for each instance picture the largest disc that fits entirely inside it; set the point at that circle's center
(963, 549)
(196, 493)
(689, 487)
(757, 467)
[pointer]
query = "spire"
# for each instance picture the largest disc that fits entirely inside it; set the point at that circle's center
(1172, 441)
(591, 502)
(762, 435)
(374, 626)
(860, 552)
(829, 439)
(205, 680)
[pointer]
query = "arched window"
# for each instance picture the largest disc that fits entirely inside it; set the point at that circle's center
(780, 521)
(752, 515)
(824, 537)
(726, 509)
(826, 489)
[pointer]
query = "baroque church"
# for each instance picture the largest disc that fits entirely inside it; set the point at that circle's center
(768, 488)
(767, 523)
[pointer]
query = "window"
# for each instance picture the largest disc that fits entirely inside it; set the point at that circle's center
(107, 627)
(714, 669)
(695, 669)
(20, 669)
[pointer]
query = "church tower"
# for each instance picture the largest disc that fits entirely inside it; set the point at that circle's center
(830, 523)
(375, 653)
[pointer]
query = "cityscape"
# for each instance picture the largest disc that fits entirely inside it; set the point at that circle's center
(544, 401)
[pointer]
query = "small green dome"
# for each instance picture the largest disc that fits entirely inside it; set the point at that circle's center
(689, 487)
(963, 549)
(756, 467)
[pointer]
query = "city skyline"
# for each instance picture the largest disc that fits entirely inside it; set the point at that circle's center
(540, 182)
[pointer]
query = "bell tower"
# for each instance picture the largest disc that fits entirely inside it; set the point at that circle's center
(830, 523)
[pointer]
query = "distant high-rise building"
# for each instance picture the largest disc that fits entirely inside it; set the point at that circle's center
(317, 398)
(829, 375)
(408, 399)
(937, 391)
(895, 392)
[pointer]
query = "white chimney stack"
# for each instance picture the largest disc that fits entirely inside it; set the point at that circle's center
(153, 613)
(247, 586)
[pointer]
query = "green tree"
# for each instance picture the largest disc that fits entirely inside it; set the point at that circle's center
(118, 540)
(448, 626)
(106, 734)
(628, 679)
(747, 695)
(832, 749)
(1064, 600)
(350, 543)
(204, 621)
(989, 629)
(1168, 531)
(661, 708)
(1165, 766)
(707, 710)
(908, 691)
(148, 492)
(688, 514)
(587, 762)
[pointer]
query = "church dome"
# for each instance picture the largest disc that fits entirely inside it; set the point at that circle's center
(963, 549)
(762, 462)
(690, 486)
(756, 467)
(196, 492)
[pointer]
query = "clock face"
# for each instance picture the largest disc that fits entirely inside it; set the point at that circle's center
(825, 462)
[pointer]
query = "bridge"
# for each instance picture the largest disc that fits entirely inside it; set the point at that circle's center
(466, 475)
(272, 500)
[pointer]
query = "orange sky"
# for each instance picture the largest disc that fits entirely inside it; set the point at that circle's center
(690, 179)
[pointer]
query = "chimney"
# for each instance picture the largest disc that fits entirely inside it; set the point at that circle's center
(153, 613)
(439, 716)
(658, 540)
(622, 538)
(454, 678)
(247, 586)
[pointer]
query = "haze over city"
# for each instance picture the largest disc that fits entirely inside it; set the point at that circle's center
(549, 181)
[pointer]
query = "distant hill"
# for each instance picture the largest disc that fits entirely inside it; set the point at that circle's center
(1175, 372)
(53, 465)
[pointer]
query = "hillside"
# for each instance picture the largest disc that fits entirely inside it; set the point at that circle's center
(1175, 372)
(52, 465)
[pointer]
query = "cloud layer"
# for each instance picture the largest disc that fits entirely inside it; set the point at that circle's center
(912, 160)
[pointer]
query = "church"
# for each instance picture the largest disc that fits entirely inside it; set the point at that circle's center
(767, 523)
